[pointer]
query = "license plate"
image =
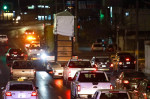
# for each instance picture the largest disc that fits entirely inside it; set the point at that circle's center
(103, 65)
(21, 95)
(19, 79)
(15, 55)
(59, 73)
(127, 62)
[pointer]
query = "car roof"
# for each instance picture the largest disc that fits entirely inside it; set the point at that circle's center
(20, 82)
(101, 56)
(22, 61)
(79, 60)
(91, 71)
(111, 90)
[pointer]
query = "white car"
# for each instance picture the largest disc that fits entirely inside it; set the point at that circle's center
(35, 52)
(55, 69)
(97, 47)
(85, 83)
(111, 94)
(22, 70)
(20, 90)
(73, 66)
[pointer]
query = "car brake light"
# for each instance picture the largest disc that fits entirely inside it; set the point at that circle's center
(134, 62)
(111, 87)
(8, 94)
(78, 88)
(125, 81)
(21, 54)
(145, 96)
(34, 94)
(111, 65)
(127, 59)
(120, 63)
(69, 72)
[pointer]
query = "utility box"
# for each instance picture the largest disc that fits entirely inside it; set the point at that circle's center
(147, 57)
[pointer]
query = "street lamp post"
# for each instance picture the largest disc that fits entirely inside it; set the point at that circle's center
(117, 39)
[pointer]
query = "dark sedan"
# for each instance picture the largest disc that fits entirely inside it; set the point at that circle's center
(14, 54)
(143, 90)
(129, 79)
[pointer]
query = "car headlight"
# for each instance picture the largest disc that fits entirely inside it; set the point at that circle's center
(43, 56)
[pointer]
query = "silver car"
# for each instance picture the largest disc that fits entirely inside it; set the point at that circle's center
(22, 70)
(55, 69)
(111, 94)
(20, 90)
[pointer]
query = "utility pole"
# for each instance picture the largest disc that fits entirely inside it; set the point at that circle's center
(76, 23)
(137, 30)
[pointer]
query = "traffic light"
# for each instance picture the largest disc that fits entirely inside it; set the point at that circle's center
(5, 7)
(101, 15)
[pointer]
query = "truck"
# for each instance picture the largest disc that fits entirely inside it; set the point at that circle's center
(86, 83)
(73, 66)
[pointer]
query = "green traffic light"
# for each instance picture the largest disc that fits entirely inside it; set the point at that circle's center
(101, 15)
(4, 7)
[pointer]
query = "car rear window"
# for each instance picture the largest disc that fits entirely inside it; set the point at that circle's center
(22, 65)
(21, 87)
(102, 60)
(134, 74)
(92, 77)
(80, 64)
(114, 96)
(97, 45)
(15, 51)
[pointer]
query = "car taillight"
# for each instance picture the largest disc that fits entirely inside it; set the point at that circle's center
(69, 72)
(120, 63)
(111, 87)
(78, 88)
(34, 94)
(111, 65)
(21, 54)
(145, 96)
(134, 62)
(127, 59)
(125, 81)
(8, 94)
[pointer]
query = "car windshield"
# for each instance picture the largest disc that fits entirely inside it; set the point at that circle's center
(22, 65)
(92, 77)
(102, 60)
(97, 45)
(114, 96)
(80, 64)
(134, 74)
(21, 87)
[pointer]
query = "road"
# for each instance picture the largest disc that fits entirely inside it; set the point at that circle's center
(49, 88)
